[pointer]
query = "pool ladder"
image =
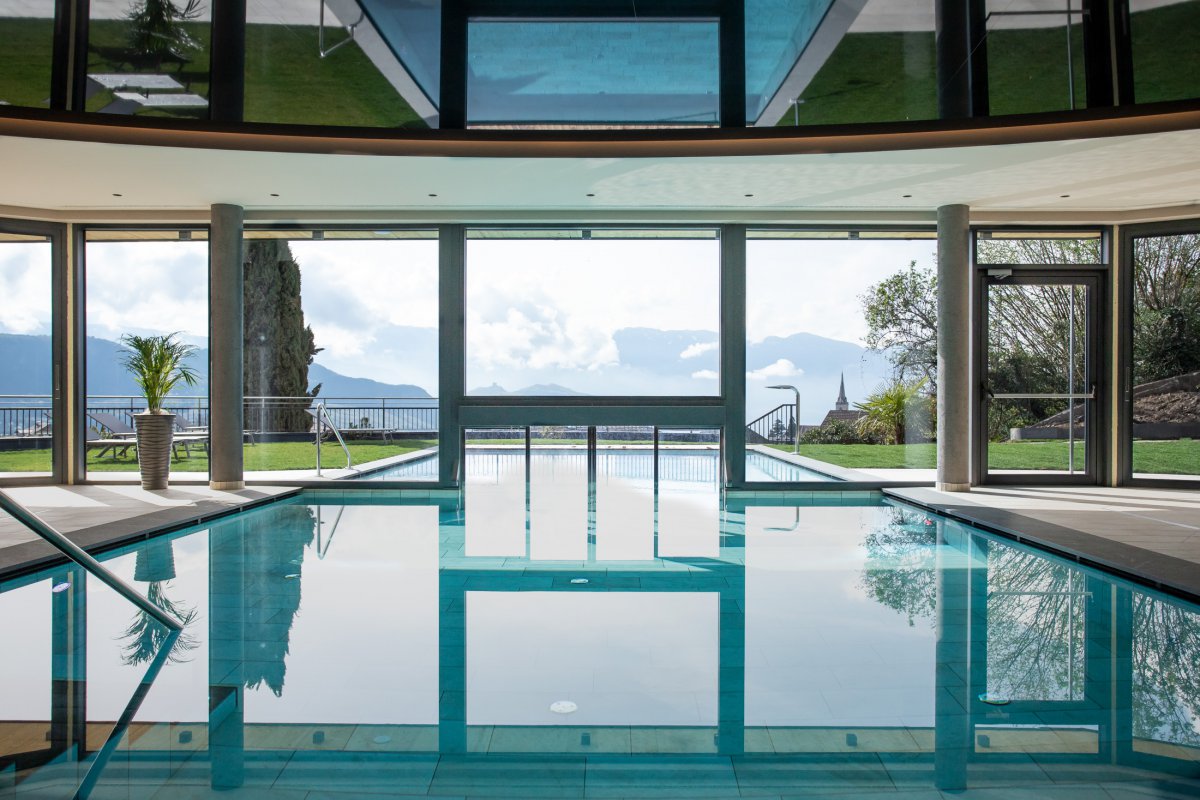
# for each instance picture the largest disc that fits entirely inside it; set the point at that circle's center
(322, 415)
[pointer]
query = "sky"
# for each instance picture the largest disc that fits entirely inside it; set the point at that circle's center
(538, 311)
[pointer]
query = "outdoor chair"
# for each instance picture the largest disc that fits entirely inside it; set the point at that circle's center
(123, 431)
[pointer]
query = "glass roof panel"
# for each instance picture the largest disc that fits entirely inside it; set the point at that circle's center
(777, 31)
(649, 72)
(413, 30)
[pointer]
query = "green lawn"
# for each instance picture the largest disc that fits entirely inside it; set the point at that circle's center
(1180, 457)
(286, 80)
(266, 456)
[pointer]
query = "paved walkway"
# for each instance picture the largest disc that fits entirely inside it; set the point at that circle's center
(1152, 535)
(99, 516)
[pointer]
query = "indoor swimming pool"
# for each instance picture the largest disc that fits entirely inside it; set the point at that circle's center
(622, 642)
(617, 462)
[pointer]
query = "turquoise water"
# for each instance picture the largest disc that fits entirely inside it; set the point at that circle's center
(623, 645)
(619, 463)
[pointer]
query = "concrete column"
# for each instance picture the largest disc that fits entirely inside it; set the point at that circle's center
(733, 351)
(954, 350)
(225, 313)
(452, 342)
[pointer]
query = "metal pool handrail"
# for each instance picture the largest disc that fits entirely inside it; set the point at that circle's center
(81, 557)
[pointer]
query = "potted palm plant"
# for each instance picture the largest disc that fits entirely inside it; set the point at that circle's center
(157, 364)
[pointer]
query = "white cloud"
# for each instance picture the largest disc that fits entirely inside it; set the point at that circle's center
(706, 375)
(699, 349)
(783, 368)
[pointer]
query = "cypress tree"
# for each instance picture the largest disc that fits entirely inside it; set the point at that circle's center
(278, 346)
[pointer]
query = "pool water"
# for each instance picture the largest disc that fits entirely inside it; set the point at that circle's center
(621, 643)
(685, 464)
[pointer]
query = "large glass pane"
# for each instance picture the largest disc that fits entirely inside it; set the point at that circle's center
(1039, 377)
(851, 357)
(591, 316)
(494, 492)
(689, 493)
(813, 64)
(145, 284)
(558, 493)
(1166, 688)
(27, 31)
(624, 493)
(1035, 57)
(149, 57)
(1166, 356)
(530, 72)
(26, 432)
(353, 74)
(1038, 248)
(1165, 66)
(323, 341)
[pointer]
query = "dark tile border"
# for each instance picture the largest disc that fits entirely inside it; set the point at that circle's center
(1168, 574)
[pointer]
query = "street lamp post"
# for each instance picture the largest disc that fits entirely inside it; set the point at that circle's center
(797, 391)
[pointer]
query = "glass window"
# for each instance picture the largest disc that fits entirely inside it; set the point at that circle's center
(812, 64)
(584, 314)
(845, 363)
(27, 31)
(26, 359)
(564, 72)
(1035, 59)
(360, 66)
(321, 335)
(145, 283)
(1038, 248)
(149, 57)
(1166, 356)
(1165, 66)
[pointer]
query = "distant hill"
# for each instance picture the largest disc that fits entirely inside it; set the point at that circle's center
(535, 390)
(334, 384)
(26, 361)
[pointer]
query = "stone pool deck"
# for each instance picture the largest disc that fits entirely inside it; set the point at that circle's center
(1151, 535)
(98, 516)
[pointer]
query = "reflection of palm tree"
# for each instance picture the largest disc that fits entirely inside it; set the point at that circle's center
(145, 635)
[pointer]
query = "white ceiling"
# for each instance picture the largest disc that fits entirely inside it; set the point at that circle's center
(1103, 179)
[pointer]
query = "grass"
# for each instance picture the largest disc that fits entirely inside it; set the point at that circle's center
(885, 77)
(1181, 457)
(265, 456)
(286, 80)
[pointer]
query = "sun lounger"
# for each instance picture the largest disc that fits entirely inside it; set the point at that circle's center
(121, 430)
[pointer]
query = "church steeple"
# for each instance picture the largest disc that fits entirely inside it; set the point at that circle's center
(842, 403)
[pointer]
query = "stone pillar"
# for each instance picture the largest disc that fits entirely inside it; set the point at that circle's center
(225, 314)
(954, 350)
(452, 335)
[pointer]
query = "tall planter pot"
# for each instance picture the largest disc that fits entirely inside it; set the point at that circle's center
(154, 434)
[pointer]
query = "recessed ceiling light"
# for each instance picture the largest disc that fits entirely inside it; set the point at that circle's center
(274, 194)
(591, 194)
(117, 194)
(749, 195)
(906, 195)
(431, 194)
(1064, 195)
(563, 707)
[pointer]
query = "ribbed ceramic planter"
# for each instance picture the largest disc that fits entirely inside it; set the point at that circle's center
(154, 433)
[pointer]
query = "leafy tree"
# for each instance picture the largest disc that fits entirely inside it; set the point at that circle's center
(1166, 320)
(157, 32)
(278, 346)
(901, 316)
(897, 412)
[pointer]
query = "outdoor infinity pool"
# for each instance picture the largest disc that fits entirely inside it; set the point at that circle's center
(623, 644)
(615, 463)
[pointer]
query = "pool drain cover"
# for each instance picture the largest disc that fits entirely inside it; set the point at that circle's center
(579, 580)
(563, 707)
(381, 739)
(993, 699)
(60, 587)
